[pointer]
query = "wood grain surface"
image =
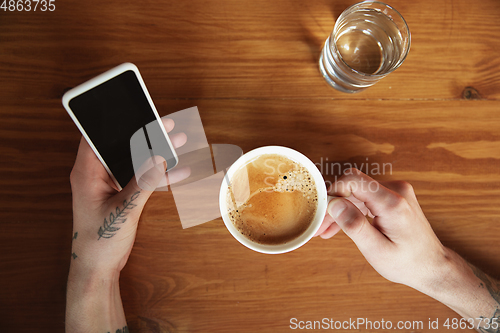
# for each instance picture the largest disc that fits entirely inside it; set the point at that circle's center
(251, 68)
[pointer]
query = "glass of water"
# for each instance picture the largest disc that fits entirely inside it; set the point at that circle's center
(370, 39)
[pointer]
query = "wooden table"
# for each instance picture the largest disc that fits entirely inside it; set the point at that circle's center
(251, 68)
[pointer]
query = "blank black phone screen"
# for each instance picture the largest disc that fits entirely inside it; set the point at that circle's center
(110, 114)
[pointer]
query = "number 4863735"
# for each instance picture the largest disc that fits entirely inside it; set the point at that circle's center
(28, 5)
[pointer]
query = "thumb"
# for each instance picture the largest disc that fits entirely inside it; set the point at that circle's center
(150, 174)
(146, 179)
(355, 225)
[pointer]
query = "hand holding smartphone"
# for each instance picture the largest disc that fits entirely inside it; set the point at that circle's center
(115, 113)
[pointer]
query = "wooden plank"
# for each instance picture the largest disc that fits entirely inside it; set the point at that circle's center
(38, 151)
(229, 49)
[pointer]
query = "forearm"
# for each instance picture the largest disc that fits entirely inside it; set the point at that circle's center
(94, 303)
(468, 291)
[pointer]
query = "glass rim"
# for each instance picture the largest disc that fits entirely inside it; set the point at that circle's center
(400, 61)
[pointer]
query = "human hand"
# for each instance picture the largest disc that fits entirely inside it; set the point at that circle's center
(104, 228)
(105, 220)
(399, 243)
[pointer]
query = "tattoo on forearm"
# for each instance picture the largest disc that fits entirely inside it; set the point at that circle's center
(121, 330)
(74, 237)
(110, 227)
(493, 288)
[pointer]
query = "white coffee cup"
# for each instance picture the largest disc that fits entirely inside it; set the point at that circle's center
(323, 200)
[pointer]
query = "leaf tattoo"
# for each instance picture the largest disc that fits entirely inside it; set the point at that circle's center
(110, 227)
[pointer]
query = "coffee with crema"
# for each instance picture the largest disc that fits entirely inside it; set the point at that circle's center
(272, 200)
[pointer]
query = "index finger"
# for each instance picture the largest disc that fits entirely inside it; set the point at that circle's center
(377, 198)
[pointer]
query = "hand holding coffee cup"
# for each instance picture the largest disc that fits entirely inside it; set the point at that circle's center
(275, 200)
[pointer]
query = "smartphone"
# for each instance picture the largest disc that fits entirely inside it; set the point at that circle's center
(110, 110)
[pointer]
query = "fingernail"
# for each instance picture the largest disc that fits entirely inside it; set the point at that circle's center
(336, 207)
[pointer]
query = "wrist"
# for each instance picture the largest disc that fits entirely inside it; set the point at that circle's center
(441, 275)
(455, 285)
(91, 279)
(93, 301)
(90, 285)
